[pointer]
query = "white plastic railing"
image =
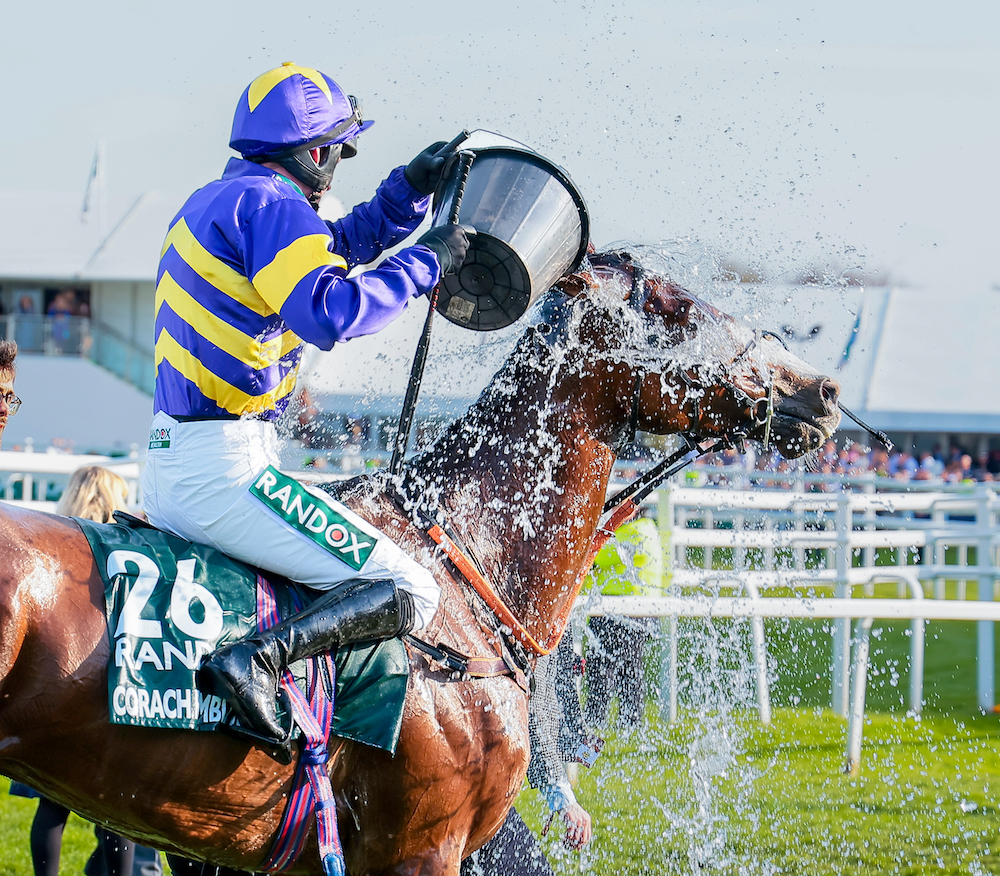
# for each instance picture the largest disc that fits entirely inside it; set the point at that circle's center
(757, 608)
(38, 472)
(841, 525)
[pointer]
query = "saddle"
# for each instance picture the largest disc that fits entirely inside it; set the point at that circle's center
(170, 602)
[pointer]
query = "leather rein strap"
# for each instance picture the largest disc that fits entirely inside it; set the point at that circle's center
(486, 592)
(627, 504)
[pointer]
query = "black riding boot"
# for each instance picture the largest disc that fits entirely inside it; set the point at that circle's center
(246, 673)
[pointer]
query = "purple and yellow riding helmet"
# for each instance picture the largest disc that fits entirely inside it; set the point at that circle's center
(299, 118)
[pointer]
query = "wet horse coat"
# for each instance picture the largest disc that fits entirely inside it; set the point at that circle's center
(520, 478)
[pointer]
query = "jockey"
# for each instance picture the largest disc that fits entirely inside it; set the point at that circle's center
(248, 274)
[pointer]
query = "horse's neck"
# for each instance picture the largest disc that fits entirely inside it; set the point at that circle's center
(522, 478)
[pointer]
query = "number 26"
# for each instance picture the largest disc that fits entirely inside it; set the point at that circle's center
(183, 592)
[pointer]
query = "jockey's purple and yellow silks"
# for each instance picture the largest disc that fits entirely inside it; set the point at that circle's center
(249, 272)
(290, 106)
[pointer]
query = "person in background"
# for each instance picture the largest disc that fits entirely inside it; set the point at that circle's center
(94, 493)
(9, 403)
(60, 309)
(27, 325)
(629, 564)
(557, 736)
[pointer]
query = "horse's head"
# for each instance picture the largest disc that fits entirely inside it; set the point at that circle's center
(696, 370)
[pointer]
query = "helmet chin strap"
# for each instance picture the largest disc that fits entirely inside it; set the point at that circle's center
(314, 197)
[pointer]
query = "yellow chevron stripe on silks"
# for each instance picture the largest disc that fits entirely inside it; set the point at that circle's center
(212, 270)
(241, 346)
(223, 393)
(275, 281)
(262, 85)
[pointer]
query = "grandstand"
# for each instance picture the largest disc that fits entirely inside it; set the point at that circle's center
(919, 363)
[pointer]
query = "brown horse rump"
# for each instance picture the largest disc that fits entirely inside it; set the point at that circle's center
(170, 602)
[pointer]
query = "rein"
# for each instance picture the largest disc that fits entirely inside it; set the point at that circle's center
(627, 503)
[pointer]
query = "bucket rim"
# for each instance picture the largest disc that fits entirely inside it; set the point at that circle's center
(558, 172)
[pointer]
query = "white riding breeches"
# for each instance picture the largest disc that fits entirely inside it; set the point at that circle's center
(216, 482)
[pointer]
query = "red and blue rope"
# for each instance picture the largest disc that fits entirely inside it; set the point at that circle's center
(311, 788)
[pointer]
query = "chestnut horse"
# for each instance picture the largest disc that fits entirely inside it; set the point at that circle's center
(520, 479)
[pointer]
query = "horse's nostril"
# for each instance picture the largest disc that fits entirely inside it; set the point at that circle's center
(761, 409)
(830, 390)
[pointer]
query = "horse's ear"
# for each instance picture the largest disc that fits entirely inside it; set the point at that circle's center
(576, 284)
(664, 298)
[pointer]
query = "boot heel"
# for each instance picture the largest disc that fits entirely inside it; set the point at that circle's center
(282, 750)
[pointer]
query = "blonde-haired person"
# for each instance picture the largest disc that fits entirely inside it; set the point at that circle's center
(95, 493)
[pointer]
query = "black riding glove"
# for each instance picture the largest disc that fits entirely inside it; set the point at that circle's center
(450, 244)
(424, 172)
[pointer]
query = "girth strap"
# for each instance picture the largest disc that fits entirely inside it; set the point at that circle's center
(473, 667)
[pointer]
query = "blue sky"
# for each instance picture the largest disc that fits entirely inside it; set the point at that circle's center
(784, 134)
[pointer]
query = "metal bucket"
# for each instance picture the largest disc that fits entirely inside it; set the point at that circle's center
(532, 228)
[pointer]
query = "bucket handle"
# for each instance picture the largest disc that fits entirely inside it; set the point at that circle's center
(423, 345)
(465, 157)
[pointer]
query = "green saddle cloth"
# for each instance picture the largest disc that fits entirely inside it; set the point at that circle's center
(169, 602)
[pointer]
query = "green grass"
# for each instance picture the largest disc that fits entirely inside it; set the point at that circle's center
(717, 793)
(720, 793)
(15, 858)
(732, 797)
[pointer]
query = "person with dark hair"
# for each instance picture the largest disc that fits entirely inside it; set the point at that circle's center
(9, 403)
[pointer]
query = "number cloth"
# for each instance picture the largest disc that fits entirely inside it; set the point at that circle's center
(169, 602)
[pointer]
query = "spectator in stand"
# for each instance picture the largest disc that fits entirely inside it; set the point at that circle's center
(959, 469)
(27, 327)
(930, 465)
(854, 460)
(879, 462)
(60, 310)
(902, 466)
(993, 462)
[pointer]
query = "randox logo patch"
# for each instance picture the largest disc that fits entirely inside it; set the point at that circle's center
(159, 439)
(311, 516)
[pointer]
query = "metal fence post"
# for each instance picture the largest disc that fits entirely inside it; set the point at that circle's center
(860, 684)
(841, 627)
(668, 630)
(984, 629)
